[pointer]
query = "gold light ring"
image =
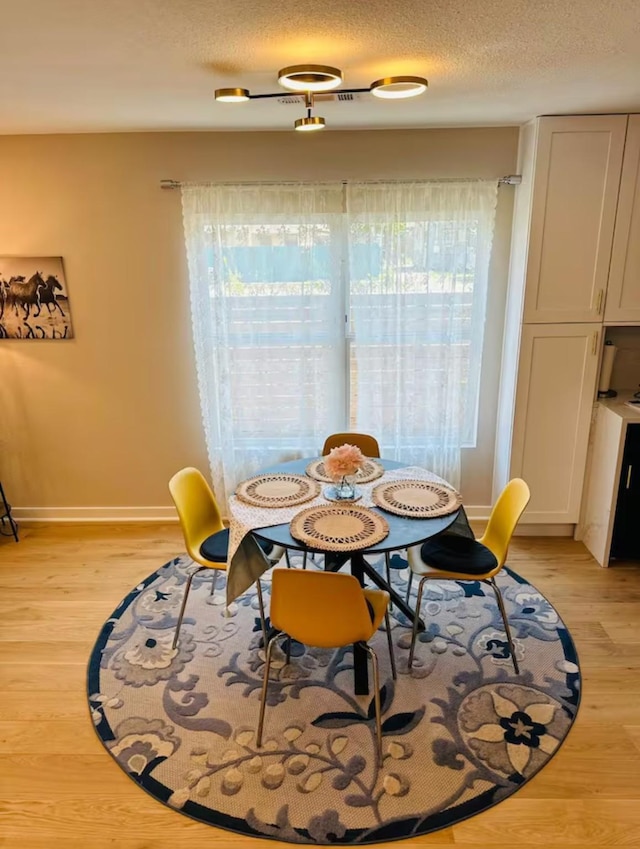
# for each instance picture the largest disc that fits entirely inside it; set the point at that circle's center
(231, 95)
(380, 87)
(309, 124)
(310, 77)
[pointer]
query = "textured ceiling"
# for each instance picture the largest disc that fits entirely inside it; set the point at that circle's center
(109, 65)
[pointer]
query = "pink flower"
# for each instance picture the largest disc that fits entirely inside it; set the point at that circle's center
(343, 460)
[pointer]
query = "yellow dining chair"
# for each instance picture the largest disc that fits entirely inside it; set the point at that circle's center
(205, 536)
(369, 446)
(456, 558)
(327, 610)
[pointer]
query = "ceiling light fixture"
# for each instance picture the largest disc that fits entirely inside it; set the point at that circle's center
(305, 81)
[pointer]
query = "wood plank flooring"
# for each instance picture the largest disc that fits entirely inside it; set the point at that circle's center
(59, 788)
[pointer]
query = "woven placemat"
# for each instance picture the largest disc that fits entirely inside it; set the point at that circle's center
(370, 471)
(420, 499)
(335, 528)
(277, 490)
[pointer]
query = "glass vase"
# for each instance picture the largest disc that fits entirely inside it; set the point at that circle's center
(345, 489)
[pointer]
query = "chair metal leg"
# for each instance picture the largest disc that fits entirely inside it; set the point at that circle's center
(387, 563)
(286, 557)
(304, 560)
(265, 687)
(376, 698)
(214, 582)
(416, 619)
(263, 621)
(499, 599)
(6, 514)
(288, 650)
(184, 604)
(387, 623)
(409, 583)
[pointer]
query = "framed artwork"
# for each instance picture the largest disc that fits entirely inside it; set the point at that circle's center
(34, 303)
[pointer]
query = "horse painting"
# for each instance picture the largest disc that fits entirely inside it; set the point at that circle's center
(26, 287)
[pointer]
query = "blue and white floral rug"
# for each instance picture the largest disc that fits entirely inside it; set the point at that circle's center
(461, 730)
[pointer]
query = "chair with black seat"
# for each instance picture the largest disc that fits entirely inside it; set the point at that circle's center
(205, 536)
(326, 610)
(458, 558)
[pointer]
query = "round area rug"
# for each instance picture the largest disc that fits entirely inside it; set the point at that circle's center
(461, 730)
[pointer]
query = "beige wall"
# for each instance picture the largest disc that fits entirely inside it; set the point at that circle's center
(103, 420)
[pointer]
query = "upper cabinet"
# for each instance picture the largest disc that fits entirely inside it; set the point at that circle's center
(578, 164)
(623, 294)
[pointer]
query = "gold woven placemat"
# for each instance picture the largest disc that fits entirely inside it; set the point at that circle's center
(335, 528)
(277, 490)
(371, 471)
(420, 499)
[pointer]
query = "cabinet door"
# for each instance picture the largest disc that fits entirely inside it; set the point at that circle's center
(606, 443)
(575, 192)
(555, 394)
(623, 294)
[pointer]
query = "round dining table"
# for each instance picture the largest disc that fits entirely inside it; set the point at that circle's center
(404, 532)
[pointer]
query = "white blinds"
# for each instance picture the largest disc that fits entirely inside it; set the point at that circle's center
(319, 306)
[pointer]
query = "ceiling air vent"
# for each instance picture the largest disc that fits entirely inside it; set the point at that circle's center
(333, 96)
(328, 97)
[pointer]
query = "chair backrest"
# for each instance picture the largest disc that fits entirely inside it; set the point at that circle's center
(197, 508)
(325, 609)
(504, 518)
(367, 444)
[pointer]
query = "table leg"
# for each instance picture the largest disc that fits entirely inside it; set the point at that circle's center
(360, 567)
(360, 660)
(397, 599)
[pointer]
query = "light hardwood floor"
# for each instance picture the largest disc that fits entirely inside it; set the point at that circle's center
(59, 788)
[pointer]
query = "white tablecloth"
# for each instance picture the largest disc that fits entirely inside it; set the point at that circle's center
(246, 559)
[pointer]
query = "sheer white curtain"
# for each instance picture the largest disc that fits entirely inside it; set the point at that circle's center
(318, 308)
(267, 298)
(419, 258)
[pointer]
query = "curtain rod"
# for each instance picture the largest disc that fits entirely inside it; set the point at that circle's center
(509, 180)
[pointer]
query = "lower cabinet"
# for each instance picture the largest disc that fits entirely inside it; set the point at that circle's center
(555, 393)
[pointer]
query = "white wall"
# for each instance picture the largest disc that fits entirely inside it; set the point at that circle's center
(96, 425)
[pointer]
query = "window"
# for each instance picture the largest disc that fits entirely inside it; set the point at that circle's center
(319, 308)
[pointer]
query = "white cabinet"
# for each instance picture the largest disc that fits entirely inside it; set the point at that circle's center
(623, 294)
(575, 263)
(578, 161)
(557, 375)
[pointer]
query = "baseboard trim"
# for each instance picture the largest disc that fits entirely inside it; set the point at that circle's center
(544, 530)
(115, 515)
(142, 514)
(478, 513)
